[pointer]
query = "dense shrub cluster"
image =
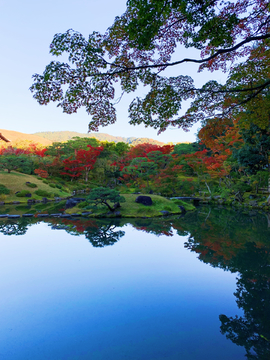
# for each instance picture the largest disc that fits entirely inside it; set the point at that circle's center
(43, 193)
(4, 190)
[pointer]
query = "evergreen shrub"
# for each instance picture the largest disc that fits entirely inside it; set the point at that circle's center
(23, 193)
(43, 193)
(31, 185)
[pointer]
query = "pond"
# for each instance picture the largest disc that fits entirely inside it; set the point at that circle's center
(190, 287)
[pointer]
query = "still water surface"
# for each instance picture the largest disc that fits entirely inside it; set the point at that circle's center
(182, 288)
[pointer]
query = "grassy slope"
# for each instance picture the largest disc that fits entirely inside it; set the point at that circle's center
(131, 209)
(16, 182)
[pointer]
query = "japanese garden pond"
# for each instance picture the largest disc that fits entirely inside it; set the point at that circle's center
(189, 287)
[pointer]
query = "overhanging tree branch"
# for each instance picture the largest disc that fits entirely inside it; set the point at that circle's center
(97, 64)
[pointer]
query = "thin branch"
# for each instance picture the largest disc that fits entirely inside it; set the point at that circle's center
(166, 28)
(249, 98)
(259, 87)
(164, 66)
(119, 99)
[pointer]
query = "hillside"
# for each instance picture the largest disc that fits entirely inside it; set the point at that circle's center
(48, 137)
(56, 136)
(16, 181)
(15, 136)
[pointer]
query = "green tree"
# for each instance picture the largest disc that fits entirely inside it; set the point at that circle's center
(160, 159)
(183, 148)
(254, 153)
(21, 163)
(141, 168)
(121, 148)
(105, 196)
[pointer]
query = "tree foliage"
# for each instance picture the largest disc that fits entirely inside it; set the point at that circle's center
(88, 158)
(255, 151)
(16, 162)
(105, 196)
(139, 47)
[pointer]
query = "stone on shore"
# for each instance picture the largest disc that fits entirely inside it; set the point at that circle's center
(145, 200)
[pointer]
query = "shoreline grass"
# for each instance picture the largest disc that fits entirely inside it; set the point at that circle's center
(131, 209)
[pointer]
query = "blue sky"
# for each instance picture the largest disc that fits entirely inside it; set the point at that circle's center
(26, 30)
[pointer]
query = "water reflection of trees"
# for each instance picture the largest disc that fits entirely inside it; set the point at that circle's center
(252, 330)
(253, 295)
(99, 232)
(13, 227)
(104, 235)
(239, 243)
(155, 226)
(222, 238)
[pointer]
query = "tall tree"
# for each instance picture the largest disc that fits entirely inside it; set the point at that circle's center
(138, 48)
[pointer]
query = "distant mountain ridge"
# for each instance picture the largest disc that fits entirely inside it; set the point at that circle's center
(58, 136)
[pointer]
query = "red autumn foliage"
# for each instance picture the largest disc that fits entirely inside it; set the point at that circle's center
(42, 173)
(10, 150)
(88, 158)
(142, 150)
(40, 153)
(84, 162)
(72, 168)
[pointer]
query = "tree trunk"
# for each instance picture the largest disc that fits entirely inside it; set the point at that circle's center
(208, 188)
(110, 208)
(239, 197)
(86, 175)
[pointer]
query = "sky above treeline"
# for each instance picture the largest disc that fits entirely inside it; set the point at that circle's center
(26, 31)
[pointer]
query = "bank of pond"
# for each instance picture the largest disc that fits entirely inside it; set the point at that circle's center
(27, 190)
(132, 205)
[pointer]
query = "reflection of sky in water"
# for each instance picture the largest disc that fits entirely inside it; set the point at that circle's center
(145, 297)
